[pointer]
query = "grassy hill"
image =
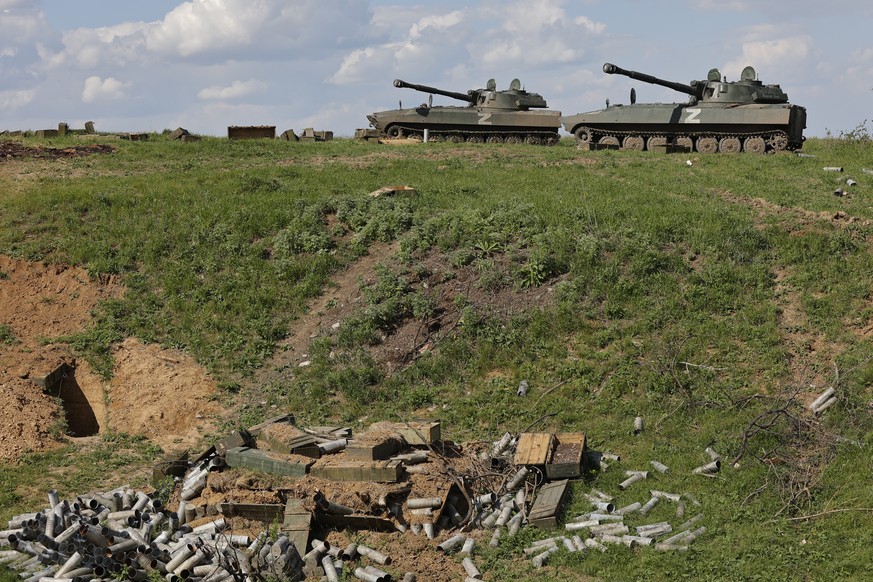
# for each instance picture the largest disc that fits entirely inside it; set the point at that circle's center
(714, 298)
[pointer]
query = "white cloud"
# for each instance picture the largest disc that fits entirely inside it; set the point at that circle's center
(198, 26)
(20, 21)
(8, 5)
(351, 69)
(88, 48)
(589, 25)
(520, 34)
(532, 16)
(437, 22)
(416, 43)
(255, 27)
(97, 89)
(535, 33)
(232, 91)
(15, 99)
(779, 54)
(722, 5)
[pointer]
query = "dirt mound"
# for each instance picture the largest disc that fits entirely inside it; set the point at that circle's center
(30, 419)
(159, 393)
(162, 394)
(12, 149)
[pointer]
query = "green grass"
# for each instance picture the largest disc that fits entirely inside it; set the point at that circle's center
(668, 307)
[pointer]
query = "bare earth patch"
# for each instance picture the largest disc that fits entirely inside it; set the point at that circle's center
(397, 349)
(799, 216)
(812, 354)
(158, 393)
(12, 149)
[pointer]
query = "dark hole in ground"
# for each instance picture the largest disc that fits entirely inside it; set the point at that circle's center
(80, 415)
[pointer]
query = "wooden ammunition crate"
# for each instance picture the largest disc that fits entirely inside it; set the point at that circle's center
(377, 472)
(547, 505)
(534, 448)
(261, 461)
(565, 460)
(251, 131)
(296, 524)
(373, 450)
(265, 512)
(419, 433)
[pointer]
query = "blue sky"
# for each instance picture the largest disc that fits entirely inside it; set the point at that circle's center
(133, 65)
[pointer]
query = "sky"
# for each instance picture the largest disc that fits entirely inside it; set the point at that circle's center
(150, 65)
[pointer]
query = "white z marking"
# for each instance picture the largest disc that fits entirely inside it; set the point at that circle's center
(692, 116)
(484, 119)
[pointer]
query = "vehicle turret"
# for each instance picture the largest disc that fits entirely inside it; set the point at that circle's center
(715, 89)
(515, 98)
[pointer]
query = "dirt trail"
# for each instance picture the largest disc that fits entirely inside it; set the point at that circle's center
(811, 354)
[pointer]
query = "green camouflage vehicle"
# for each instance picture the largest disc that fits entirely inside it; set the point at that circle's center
(720, 116)
(491, 116)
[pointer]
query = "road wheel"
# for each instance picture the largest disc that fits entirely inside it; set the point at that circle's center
(707, 145)
(583, 135)
(755, 145)
(729, 145)
(394, 132)
(655, 141)
(633, 142)
(685, 142)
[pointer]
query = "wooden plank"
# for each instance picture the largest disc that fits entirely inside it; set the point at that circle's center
(261, 461)
(534, 448)
(547, 505)
(567, 454)
(377, 472)
(266, 512)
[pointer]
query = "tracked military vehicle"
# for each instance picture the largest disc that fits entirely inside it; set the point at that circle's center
(720, 116)
(491, 116)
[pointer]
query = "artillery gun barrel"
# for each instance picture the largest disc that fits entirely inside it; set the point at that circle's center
(694, 89)
(425, 89)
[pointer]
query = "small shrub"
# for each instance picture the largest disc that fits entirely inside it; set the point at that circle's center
(6, 335)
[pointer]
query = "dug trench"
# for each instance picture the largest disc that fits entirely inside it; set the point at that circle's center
(47, 396)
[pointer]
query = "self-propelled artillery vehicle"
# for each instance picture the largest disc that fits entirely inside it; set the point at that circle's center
(491, 116)
(720, 116)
